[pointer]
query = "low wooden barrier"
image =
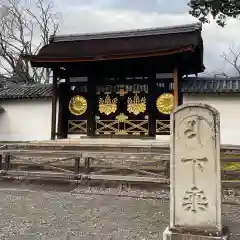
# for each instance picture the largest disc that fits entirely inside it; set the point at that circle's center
(146, 169)
(84, 166)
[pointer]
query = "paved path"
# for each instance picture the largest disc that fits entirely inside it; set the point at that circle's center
(54, 215)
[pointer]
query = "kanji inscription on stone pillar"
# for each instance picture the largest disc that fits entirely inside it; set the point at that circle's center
(195, 168)
(194, 200)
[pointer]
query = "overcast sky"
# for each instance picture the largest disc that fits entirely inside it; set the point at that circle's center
(81, 16)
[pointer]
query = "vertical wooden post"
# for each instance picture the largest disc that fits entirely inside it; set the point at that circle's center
(1, 161)
(77, 165)
(7, 162)
(152, 106)
(91, 105)
(63, 98)
(175, 86)
(66, 111)
(87, 165)
(54, 105)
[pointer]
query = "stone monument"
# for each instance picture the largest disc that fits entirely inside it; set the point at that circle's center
(195, 175)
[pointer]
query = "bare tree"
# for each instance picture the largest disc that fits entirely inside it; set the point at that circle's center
(232, 57)
(25, 27)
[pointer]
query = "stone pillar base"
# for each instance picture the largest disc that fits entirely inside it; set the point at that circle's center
(169, 235)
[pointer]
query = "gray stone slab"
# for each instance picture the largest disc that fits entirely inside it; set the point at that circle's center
(168, 235)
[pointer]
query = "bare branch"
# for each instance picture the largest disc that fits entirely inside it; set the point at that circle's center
(233, 59)
(24, 30)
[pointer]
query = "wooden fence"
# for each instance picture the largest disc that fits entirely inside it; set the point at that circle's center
(140, 168)
(84, 166)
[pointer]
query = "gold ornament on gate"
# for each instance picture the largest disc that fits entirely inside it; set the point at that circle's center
(107, 105)
(77, 105)
(121, 117)
(136, 105)
(165, 103)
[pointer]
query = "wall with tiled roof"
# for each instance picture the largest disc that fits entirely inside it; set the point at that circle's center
(26, 91)
(210, 85)
(188, 85)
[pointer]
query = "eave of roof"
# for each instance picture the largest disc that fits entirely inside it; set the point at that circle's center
(132, 44)
(112, 57)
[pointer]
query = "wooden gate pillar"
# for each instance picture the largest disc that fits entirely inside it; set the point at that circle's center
(176, 85)
(91, 111)
(152, 106)
(63, 99)
(54, 105)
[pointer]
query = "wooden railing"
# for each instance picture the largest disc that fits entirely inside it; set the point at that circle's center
(35, 165)
(87, 166)
(142, 168)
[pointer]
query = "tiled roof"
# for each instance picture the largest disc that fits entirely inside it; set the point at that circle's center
(210, 85)
(129, 33)
(26, 91)
(132, 44)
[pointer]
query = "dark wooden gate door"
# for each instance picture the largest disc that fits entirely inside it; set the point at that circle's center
(164, 105)
(122, 109)
(78, 109)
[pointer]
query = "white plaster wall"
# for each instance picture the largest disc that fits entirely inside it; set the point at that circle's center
(26, 120)
(29, 120)
(229, 108)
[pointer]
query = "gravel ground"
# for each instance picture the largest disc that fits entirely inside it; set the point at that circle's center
(84, 214)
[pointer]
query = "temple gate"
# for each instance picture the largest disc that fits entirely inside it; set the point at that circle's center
(109, 84)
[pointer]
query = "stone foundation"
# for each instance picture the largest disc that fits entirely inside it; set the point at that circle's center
(169, 235)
